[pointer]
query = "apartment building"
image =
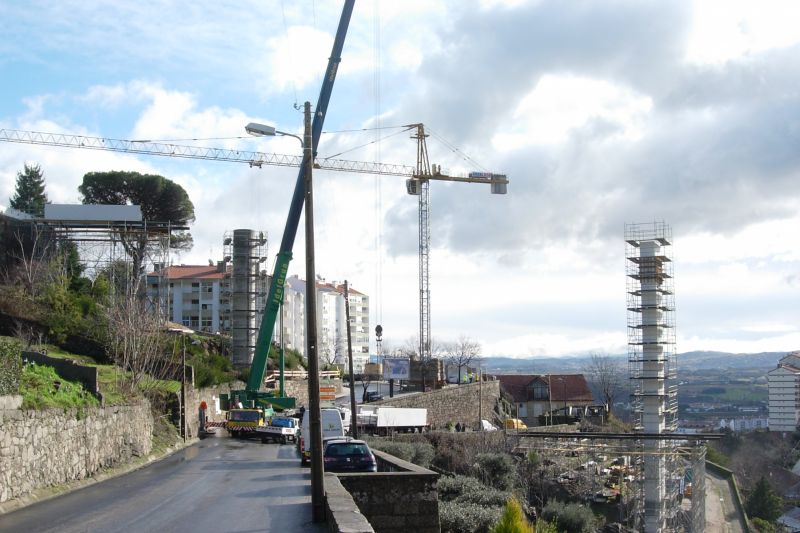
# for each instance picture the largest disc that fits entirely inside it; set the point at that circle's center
(332, 325)
(191, 295)
(784, 394)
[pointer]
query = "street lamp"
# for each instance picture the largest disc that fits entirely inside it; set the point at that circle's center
(564, 383)
(315, 427)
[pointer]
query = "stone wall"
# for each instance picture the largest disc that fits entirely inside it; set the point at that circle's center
(209, 395)
(453, 404)
(400, 500)
(52, 446)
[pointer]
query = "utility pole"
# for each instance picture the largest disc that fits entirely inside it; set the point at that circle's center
(480, 398)
(353, 417)
(183, 388)
(315, 427)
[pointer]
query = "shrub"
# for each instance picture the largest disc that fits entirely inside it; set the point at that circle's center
(10, 366)
(762, 526)
(423, 454)
(401, 450)
(461, 517)
(716, 456)
(513, 519)
(451, 487)
(569, 517)
(495, 469)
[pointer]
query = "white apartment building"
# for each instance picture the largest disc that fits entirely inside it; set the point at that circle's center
(294, 315)
(784, 394)
(199, 297)
(331, 322)
(190, 295)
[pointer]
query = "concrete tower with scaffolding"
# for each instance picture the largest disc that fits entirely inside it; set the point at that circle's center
(246, 249)
(652, 361)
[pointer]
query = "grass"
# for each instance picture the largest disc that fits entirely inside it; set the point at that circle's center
(42, 388)
(111, 380)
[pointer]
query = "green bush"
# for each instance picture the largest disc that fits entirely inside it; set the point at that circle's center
(461, 517)
(10, 366)
(569, 517)
(716, 456)
(451, 487)
(401, 450)
(420, 452)
(465, 489)
(762, 526)
(495, 469)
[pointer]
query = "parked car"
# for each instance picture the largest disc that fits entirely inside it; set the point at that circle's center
(349, 455)
(373, 396)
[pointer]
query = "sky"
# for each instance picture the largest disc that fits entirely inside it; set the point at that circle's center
(600, 114)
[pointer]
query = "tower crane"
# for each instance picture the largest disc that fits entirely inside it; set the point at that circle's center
(417, 183)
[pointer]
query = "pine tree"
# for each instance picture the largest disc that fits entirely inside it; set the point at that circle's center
(764, 502)
(29, 196)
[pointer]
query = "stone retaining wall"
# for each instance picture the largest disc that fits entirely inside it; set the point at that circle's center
(452, 404)
(400, 497)
(52, 446)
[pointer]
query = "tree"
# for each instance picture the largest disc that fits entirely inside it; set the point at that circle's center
(606, 373)
(462, 353)
(764, 502)
(161, 200)
(29, 196)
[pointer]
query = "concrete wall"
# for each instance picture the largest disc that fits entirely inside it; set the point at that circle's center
(400, 497)
(43, 448)
(209, 395)
(452, 404)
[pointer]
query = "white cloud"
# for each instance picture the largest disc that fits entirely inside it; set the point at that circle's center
(723, 30)
(560, 103)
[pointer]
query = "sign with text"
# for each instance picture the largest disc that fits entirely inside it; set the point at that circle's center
(396, 368)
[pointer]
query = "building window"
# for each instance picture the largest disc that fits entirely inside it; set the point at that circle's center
(195, 302)
(539, 391)
(204, 307)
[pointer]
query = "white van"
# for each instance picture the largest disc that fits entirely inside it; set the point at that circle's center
(332, 428)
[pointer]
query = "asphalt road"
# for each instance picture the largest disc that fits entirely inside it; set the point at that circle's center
(217, 485)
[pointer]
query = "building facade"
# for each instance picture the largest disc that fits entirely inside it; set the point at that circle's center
(190, 295)
(784, 394)
(199, 297)
(539, 395)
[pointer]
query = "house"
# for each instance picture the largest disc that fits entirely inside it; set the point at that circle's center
(540, 394)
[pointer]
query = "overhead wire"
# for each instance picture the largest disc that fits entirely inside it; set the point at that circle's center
(453, 148)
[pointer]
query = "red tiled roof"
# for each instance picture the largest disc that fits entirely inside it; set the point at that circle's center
(190, 272)
(573, 386)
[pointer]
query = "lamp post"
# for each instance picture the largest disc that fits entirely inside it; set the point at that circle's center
(564, 384)
(315, 427)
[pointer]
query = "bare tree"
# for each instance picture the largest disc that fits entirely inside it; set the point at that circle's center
(462, 353)
(33, 267)
(607, 375)
(134, 340)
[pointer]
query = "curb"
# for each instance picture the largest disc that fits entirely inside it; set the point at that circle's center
(48, 493)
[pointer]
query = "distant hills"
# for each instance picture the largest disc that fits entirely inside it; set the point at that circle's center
(700, 360)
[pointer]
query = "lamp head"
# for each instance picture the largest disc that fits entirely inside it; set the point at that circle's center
(259, 130)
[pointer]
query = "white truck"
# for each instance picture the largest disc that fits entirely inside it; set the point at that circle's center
(331, 427)
(280, 429)
(385, 420)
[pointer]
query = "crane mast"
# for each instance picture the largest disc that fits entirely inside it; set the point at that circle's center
(422, 176)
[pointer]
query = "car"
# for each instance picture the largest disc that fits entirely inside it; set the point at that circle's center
(349, 455)
(373, 396)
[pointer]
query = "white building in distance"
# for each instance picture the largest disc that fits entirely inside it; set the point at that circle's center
(784, 394)
(191, 295)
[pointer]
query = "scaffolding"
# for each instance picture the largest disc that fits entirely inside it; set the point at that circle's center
(245, 291)
(652, 364)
